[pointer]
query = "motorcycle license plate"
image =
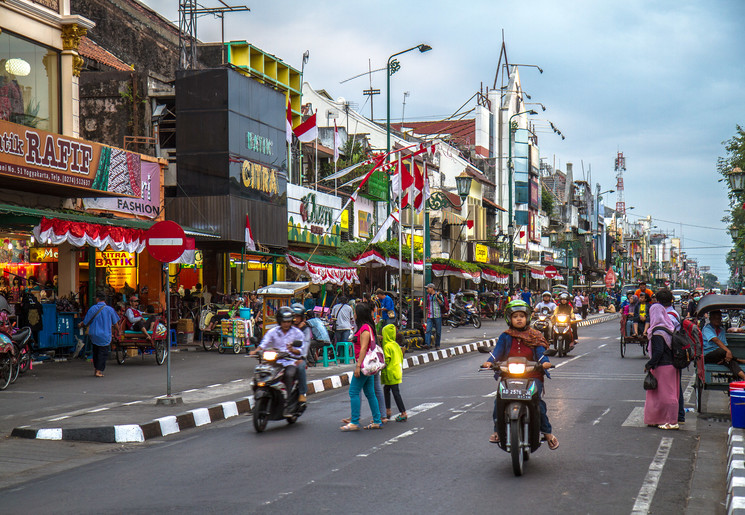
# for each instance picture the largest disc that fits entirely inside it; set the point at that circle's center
(523, 395)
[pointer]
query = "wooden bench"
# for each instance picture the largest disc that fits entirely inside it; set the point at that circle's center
(717, 377)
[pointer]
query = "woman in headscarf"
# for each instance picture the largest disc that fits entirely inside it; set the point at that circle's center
(628, 311)
(661, 406)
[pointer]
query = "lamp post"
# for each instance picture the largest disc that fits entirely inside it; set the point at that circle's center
(510, 222)
(463, 184)
(598, 196)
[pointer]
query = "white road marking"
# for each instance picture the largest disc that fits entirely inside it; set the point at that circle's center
(492, 394)
(601, 346)
(59, 418)
(131, 403)
(214, 385)
(391, 441)
(570, 360)
(635, 418)
(422, 408)
(606, 337)
(97, 410)
(649, 487)
(689, 389)
(189, 391)
(597, 420)
(465, 409)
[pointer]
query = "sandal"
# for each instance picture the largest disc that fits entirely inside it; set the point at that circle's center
(349, 427)
(346, 420)
(552, 441)
(402, 418)
(494, 438)
(374, 426)
(669, 426)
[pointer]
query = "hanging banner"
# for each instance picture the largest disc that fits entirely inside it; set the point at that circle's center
(150, 201)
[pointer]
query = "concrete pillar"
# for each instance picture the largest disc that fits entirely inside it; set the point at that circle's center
(68, 270)
(70, 65)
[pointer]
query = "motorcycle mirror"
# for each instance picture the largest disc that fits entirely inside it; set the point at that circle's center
(297, 343)
(549, 352)
(483, 349)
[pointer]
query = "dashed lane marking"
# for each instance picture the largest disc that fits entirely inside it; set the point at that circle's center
(391, 441)
(601, 346)
(570, 360)
(465, 409)
(597, 420)
(635, 418)
(649, 487)
(422, 408)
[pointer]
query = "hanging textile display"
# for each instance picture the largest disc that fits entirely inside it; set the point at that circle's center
(323, 274)
(78, 234)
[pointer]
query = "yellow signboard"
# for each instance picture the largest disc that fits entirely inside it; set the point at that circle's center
(481, 253)
(112, 259)
(418, 242)
(345, 220)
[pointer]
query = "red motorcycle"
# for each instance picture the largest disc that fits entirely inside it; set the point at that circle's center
(20, 342)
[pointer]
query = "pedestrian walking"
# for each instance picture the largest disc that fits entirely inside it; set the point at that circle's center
(387, 308)
(661, 405)
(100, 319)
(585, 305)
(392, 374)
(433, 305)
(365, 337)
(342, 316)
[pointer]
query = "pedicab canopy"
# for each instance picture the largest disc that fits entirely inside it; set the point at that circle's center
(709, 303)
(284, 288)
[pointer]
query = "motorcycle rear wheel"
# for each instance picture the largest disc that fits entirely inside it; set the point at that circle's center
(121, 354)
(476, 321)
(518, 458)
(260, 417)
(6, 371)
(16, 370)
(24, 361)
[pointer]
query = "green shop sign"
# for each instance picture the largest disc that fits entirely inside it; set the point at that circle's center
(260, 144)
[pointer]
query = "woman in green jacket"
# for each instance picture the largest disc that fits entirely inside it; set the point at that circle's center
(392, 375)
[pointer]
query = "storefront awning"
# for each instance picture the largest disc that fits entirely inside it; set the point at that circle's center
(443, 270)
(494, 277)
(324, 269)
(375, 259)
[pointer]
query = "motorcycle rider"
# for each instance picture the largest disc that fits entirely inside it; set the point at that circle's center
(565, 308)
(280, 338)
(547, 303)
(459, 308)
(530, 344)
(298, 320)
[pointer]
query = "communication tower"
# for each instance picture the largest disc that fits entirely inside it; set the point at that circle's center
(620, 168)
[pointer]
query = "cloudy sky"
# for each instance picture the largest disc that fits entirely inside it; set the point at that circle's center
(661, 81)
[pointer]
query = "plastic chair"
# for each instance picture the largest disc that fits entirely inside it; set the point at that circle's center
(174, 338)
(345, 352)
(327, 350)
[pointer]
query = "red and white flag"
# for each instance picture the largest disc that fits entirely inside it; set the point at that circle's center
(250, 242)
(401, 182)
(308, 130)
(337, 142)
(386, 225)
(419, 204)
(288, 123)
(418, 188)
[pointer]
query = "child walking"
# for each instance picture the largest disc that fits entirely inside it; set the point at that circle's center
(392, 375)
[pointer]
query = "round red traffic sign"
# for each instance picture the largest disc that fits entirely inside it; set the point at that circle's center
(550, 271)
(165, 241)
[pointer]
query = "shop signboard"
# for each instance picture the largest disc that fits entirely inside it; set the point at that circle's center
(150, 201)
(418, 242)
(313, 217)
(43, 254)
(364, 219)
(52, 159)
(547, 257)
(481, 253)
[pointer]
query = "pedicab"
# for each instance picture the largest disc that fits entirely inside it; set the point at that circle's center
(490, 305)
(129, 343)
(630, 338)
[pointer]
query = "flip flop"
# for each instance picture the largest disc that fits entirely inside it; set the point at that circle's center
(349, 427)
(553, 443)
(402, 418)
(374, 426)
(346, 420)
(494, 438)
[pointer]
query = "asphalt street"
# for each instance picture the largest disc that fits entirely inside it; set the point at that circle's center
(437, 462)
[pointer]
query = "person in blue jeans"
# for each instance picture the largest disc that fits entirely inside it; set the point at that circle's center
(99, 320)
(433, 307)
(365, 337)
(387, 308)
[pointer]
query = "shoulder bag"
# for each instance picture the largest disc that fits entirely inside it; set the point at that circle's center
(374, 360)
(94, 317)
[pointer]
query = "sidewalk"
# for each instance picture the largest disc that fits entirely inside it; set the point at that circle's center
(140, 420)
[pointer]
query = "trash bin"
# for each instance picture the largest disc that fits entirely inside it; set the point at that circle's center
(737, 408)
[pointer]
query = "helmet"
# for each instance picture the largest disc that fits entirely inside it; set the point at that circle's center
(564, 296)
(514, 307)
(285, 314)
(298, 309)
(546, 293)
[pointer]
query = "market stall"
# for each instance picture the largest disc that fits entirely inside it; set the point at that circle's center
(277, 295)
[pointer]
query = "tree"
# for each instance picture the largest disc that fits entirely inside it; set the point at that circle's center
(548, 202)
(735, 158)
(711, 281)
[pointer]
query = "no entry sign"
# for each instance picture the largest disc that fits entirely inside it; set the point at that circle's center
(550, 271)
(165, 241)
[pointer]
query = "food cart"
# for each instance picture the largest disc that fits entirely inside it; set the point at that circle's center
(277, 295)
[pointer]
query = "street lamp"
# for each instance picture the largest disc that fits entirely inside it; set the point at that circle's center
(463, 184)
(510, 170)
(737, 180)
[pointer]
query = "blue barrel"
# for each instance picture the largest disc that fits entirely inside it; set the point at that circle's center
(244, 313)
(737, 407)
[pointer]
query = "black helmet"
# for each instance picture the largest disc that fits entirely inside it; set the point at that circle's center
(285, 314)
(298, 309)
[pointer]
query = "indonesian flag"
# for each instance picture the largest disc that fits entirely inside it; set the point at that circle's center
(250, 242)
(419, 204)
(308, 130)
(337, 142)
(401, 182)
(418, 188)
(386, 225)
(288, 123)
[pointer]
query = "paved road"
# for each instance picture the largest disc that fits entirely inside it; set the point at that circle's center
(437, 462)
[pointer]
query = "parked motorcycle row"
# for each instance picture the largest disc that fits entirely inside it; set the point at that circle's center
(15, 347)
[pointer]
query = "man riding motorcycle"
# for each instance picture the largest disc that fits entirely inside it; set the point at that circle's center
(298, 320)
(459, 308)
(565, 308)
(547, 305)
(280, 338)
(522, 341)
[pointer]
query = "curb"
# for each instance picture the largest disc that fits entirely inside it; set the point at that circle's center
(735, 472)
(138, 433)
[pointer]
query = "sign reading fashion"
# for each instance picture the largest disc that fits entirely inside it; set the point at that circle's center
(151, 196)
(50, 158)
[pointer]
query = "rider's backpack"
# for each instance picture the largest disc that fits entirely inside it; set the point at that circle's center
(681, 343)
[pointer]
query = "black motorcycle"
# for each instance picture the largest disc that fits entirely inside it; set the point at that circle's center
(518, 411)
(563, 336)
(270, 394)
(542, 322)
(454, 319)
(22, 339)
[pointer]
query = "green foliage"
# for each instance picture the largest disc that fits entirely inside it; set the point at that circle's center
(548, 202)
(711, 281)
(462, 265)
(735, 157)
(499, 269)
(388, 248)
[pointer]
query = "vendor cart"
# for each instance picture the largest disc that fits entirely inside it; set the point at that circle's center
(131, 343)
(277, 295)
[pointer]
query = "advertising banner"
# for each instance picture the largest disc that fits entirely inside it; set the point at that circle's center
(312, 216)
(148, 204)
(50, 158)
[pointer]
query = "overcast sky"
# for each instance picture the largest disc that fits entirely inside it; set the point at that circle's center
(661, 81)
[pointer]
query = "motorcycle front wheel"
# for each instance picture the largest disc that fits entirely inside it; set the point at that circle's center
(516, 437)
(476, 321)
(6, 371)
(260, 416)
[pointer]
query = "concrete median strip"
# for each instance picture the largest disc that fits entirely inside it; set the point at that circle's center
(136, 433)
(735, 472)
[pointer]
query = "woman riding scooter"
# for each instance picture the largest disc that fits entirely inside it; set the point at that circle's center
(520, 340)
(565, 308)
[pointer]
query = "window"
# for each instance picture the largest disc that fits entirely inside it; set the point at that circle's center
(29, 83)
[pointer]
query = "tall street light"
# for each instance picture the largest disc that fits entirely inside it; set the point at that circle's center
(510, 171)
(391, 68)
(598, 196)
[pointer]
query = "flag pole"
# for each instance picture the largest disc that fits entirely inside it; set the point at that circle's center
(400, 231)
(411, 210)
(243, 266)
(316, 184)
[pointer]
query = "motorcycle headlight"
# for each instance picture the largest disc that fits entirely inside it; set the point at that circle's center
(542, 317)
(270, 355)
(516, 368)
(561, 318)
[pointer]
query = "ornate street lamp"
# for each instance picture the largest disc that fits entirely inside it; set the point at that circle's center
(736, 180)
(463, 184)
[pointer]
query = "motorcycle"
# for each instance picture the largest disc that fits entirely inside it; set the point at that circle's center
(22, 340)
(542, 323)
(518, 411)
(270, 394)
(562, 334)
(454, 319)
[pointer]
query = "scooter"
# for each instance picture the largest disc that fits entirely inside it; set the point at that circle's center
(270, 394)
(471, 317)
(518, 411)
(22, 340)
(542, 323)
(562, 334)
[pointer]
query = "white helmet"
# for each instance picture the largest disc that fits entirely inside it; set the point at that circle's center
(546, 293)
